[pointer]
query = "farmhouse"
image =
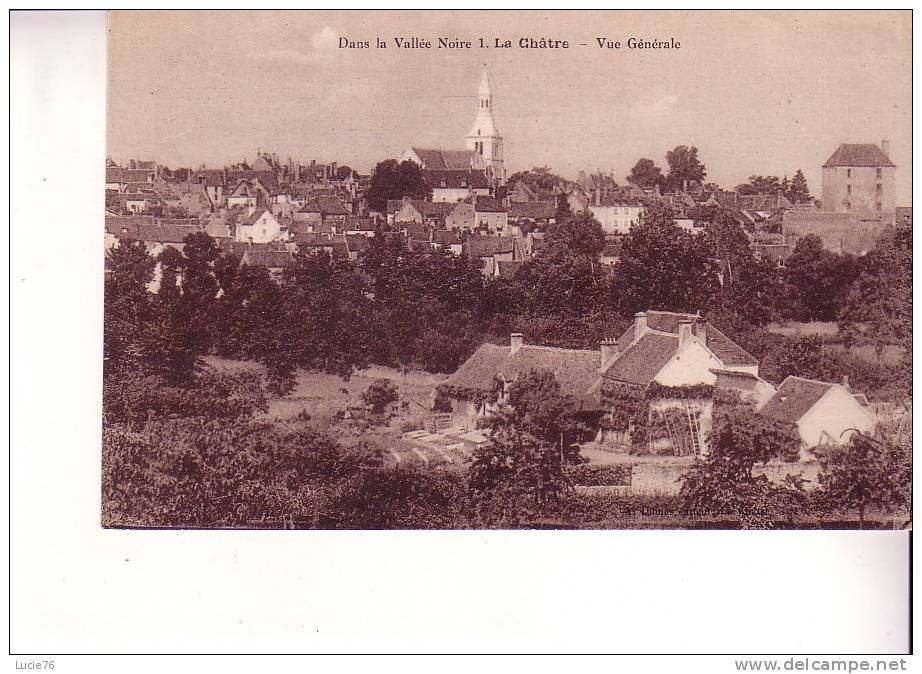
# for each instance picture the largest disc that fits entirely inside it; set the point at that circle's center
(484, 378)
(824, 413)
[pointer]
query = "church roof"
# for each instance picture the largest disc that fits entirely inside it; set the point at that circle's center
(435, 159)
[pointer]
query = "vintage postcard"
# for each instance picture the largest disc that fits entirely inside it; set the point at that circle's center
(507, 270)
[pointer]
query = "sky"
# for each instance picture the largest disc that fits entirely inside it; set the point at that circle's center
(756, 92)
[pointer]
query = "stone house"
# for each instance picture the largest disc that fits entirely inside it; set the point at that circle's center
(480, 214)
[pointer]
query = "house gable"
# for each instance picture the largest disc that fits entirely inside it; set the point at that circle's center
(690, 364)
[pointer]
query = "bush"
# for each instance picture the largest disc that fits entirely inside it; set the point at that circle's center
(130, 397)
(379, 394)
(587, 475)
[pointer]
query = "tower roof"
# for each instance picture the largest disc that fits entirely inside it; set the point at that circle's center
(484, 126)
(858, 154)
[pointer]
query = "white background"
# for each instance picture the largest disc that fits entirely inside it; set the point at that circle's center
(76, 588)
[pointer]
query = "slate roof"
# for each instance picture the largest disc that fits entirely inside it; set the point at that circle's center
(482, 245)
(575, 370)
(310, 206)
(794, 399)
(533, 210)
(439, 160)
(858, 154)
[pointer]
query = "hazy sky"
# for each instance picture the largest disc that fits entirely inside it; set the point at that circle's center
(756, 92)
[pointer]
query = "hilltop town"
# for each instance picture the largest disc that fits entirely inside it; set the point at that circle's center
(607, 337)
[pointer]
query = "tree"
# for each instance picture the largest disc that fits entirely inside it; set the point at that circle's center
(661, 266)
(798, 192)
(867, 472)
(878, 307)
(580, 233)
(539, 178)
(541, 410)
(820, 278)
(646, 174)
(684, 168)
(127, 307)
(393, 180)
(379, 394)
(723, 482)
(185, 301)
(515, 476)
(761, 185)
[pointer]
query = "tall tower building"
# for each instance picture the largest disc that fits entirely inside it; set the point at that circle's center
(860, 178)
(484, 140)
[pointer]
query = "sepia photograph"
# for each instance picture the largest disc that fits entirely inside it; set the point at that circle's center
(442, 270)
(483, 332)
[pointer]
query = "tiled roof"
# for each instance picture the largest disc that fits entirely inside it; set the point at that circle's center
(435, 159)
(643, 360)
(794, 399)
(266, 178)
(509, 268)
(210, 177)
(446, 237)
(482, 245)
(162, 233)
(305, 239)
(858, 154)
(729, 352)
(456, 179)
(357, 224)
(251, 219)
(485, 204)
(331, 206)
(113, 174)
(534, 210)
(357, 243)
(271, 259)
(575, 370)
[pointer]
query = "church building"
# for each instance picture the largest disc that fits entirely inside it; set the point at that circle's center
(483, 146)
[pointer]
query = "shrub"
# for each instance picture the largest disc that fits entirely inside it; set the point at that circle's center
(131, 397)
(379, 394)
(587, 475)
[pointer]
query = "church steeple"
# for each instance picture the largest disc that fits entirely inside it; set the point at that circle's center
(484, 139)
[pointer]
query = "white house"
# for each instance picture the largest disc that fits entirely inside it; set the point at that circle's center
(259, 226)
(824, 413)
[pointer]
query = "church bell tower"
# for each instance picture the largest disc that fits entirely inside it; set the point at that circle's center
(484, 140)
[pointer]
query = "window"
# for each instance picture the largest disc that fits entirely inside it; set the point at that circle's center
(849, 189)
(879, 206)
(848, 173)
(880, 173)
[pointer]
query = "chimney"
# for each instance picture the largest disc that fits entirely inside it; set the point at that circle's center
(885, 146)
(640, 324)
(700, 330)
(608, 350)
(598, 196)
(515, 342)
(685, 332)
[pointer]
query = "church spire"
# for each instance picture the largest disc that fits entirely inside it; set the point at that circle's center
(484, 141)
(483, 123)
